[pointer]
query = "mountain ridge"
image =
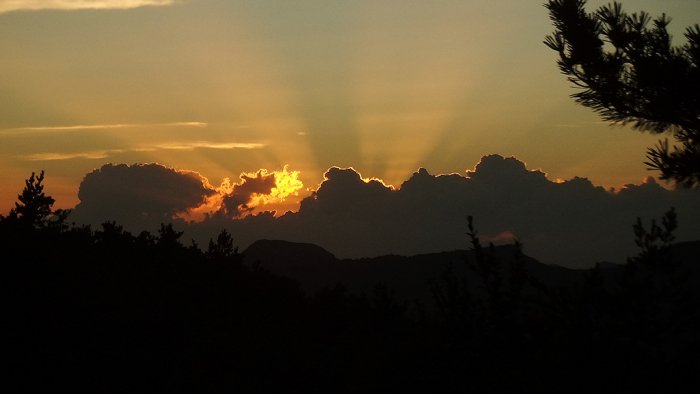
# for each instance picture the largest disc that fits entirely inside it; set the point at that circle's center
(410, 277)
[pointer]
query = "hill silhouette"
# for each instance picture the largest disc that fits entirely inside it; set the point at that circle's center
(408, 276)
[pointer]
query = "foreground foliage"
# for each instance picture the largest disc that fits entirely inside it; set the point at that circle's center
(107, 311)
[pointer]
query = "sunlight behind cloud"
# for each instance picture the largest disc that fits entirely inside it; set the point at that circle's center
(255, 192)
(36, 5)
(287, 184)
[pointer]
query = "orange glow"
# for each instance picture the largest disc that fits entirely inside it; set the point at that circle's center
(504, 237)
(385, 92)
(197, 214)
(379, 180)
(287, 184)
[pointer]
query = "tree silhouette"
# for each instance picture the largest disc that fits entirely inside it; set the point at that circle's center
(34, 208)
(168, 237)
(223, 247)
(655, 242)
(628, 71)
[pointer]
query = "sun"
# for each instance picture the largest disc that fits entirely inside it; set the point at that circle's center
(287, 184)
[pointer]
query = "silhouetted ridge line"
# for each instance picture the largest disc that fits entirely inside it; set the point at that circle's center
(316, 268)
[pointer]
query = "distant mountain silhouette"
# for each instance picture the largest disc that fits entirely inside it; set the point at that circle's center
(408, 276)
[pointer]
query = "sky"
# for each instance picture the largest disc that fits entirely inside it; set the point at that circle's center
(237, 91)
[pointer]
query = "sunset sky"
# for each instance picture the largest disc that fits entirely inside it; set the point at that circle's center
(226, 87)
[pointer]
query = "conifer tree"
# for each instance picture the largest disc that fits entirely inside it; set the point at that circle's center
(628, 71)
(34, 207)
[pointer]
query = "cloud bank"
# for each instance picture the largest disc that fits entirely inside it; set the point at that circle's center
(36, 5)
(139, 196)
(572, 223)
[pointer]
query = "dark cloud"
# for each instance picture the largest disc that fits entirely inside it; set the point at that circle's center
(573, 223)
(345, 187)
(138, 196)
(237, 203)
(495, 170)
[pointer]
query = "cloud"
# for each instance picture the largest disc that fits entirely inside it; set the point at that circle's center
(497, 171)
(345, 187)
(102, 154)
(103, 127)
(36, 5)
(210, 145)
(572, 222)
(52, 156)
(139, 196)
(259, 190)
(238, 202)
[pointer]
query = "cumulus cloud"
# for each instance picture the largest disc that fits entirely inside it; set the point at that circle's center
(261, 190)
(572, 222)
(239, 201)
(139, 196)
(35, 5)
(345, 187)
